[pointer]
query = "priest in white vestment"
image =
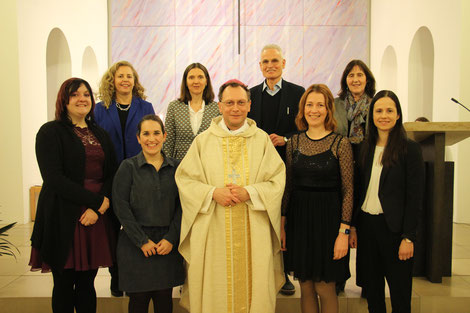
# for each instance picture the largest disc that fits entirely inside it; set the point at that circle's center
(231, 183)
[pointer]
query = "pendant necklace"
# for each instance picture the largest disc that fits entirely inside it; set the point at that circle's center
(89, 138)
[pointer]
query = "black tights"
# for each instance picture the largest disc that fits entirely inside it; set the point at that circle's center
(74, 289)
(162, 301)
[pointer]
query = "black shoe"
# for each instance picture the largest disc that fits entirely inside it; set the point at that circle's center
(117, 293)
(340, 286)
(363, 293)
(288, 289)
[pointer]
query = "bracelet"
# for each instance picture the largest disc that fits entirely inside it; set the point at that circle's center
(345, 231)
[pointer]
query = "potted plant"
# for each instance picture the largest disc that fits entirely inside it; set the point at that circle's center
(6, 247)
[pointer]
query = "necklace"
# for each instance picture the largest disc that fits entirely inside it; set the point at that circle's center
(89, 137)
(85, 136)
(118, 105)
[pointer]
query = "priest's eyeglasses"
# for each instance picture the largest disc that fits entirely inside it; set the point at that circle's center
(240, 103)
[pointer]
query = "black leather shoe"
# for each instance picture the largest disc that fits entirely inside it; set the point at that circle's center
(288, 289)
(117, 293)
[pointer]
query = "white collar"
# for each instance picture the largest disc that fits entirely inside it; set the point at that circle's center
(202, 107)
(277, 86)
(244, 127)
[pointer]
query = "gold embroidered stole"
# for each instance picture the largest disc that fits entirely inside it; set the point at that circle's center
(237, 229)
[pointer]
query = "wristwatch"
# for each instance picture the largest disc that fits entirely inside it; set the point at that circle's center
(345, 231)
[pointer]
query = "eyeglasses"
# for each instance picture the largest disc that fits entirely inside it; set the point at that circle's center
(240, 103)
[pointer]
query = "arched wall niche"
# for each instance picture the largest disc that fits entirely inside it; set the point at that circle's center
(90, 71)
(59, 67)
(388, 70)
(421, 75)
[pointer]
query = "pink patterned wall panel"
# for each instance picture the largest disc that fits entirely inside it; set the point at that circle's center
(161, 37)
(151, 51)
(205, 12)
(216, 50)
(336, 12)
(273, 12)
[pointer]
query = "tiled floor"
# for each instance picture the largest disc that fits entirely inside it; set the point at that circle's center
(32, 290)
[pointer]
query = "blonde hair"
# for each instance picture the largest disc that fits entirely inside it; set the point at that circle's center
(107, 88)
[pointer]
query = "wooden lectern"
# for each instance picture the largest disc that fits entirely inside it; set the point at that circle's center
(433, 251)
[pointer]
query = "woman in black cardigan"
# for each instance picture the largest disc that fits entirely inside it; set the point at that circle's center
(71, 234)
(389, 185)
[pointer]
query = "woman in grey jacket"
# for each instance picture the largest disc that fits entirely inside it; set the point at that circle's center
(351, 113)
(352, 105)
(191, 113)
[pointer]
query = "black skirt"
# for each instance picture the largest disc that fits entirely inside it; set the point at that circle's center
(312, 226)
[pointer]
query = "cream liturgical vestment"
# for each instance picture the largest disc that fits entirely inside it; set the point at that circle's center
(232, 253)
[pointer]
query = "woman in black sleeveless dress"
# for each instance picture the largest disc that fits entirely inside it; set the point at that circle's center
(317, 204)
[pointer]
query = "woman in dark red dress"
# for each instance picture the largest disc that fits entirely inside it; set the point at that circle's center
(71, 235)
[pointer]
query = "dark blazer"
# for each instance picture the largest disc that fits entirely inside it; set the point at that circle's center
(109, 120)
(61, 159)
(178, 127)
(288, 108)
(401, 189)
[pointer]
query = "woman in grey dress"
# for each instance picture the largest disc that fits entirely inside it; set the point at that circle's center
(145, 198)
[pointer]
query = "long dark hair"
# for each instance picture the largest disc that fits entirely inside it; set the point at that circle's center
(207, 94)
(370, 80)
(68, 87)
(396, 142)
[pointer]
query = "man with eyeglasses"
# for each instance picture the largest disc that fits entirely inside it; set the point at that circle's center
(274, 106)
(231, 183)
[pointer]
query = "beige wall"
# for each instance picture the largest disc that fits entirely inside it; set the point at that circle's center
(11, 193)
(463, 167)
(84, 26)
